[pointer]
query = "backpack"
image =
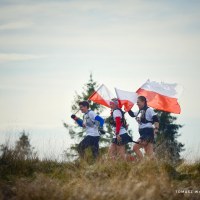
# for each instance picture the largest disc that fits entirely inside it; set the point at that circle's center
(123, 120)
(143, 119)
(88, 121)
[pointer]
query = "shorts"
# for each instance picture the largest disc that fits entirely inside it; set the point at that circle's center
(147, 134)
(125, 138)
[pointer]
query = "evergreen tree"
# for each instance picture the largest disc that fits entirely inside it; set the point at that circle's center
(21, 151)
(23, 148)
(88, 89)
(167, 146)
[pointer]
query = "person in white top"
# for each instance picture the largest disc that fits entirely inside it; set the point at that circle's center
(120, 137)
(93, 124)
(148, 126)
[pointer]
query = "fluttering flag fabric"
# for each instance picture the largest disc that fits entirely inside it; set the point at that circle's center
(102, 96)
(161, 96)
(126, 99)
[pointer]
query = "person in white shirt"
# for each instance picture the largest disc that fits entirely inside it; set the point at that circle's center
(93, 124)
(120, 137)
(148, 127)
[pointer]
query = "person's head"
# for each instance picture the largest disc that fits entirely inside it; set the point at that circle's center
(141, 102)
(114, 103)
(84, 106)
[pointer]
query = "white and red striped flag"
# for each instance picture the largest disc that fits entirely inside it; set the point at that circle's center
(161, 96)
(126, 99)
(102, 96)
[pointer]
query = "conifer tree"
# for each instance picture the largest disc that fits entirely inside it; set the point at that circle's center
(23, 148)
(167, 146)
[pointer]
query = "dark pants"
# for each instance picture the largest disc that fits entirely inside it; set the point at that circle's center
(147, 134)
(89, 141)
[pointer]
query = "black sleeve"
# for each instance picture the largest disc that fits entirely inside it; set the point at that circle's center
(131, 113)
(155, 119)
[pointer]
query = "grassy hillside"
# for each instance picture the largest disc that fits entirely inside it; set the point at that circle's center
(105, 179)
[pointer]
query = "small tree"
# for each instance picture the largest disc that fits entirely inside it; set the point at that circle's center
(17, 160)
(23, 148)
(167, 146)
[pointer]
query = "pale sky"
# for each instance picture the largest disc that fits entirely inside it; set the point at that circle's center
(48, 49)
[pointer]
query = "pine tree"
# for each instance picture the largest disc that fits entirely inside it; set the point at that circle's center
(88, 89)
(167, 146)
(21, 151)
(23, 148)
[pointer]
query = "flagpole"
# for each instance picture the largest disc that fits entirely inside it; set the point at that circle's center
(89, 98)
(94, 92)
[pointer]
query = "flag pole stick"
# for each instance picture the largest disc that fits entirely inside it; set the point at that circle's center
(95, 92)
(88, 99)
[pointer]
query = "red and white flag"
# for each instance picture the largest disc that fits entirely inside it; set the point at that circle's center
(161, 96)
(126, 99)
(102, 96)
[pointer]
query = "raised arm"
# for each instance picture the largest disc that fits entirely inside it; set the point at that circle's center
(78, 120)
(131, 113)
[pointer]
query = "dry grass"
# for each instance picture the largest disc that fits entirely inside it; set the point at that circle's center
(24, 179)
(102, 180)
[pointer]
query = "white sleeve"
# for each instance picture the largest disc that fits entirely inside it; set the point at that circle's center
(136, 113)
(92, 115)
(150, 113)
(117, 113)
